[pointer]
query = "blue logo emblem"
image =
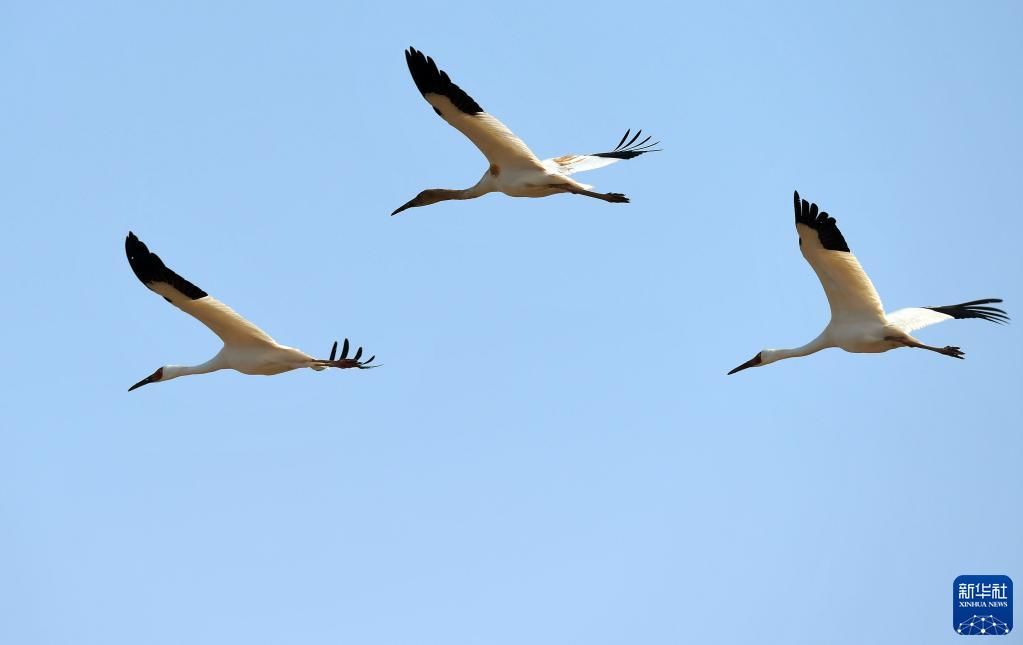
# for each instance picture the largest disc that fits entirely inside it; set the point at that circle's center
(982, 605)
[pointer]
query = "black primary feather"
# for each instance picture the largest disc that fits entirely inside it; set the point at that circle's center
(149, 268)
(430, 80)
(631, 149)
(827, 228)
(974, 309)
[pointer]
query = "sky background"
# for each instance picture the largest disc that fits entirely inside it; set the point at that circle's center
(552, 452)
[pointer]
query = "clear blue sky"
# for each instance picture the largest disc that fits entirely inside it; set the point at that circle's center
(552, 452)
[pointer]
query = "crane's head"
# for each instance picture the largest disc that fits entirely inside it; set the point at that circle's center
(768, 356)
(756, 361)
(427, 197)
(152, 378)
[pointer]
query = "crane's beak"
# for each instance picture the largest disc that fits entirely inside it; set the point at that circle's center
(408, 204)
(145, 381)
(152, 378)
(753, 362)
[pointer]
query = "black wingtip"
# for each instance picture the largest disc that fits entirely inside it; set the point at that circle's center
(808, 214)
(132, 242)
(149, 268)
(624, 137)
(429, 79)
(630, 150)
(354, 361)
(975, 309)
(145, 264)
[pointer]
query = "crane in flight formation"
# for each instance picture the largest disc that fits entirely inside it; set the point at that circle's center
(247, 348)
(514, 169)
(858, 321)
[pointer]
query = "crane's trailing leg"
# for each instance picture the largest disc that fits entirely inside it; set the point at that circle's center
(344, 362)
(613, 198)
(948, 350)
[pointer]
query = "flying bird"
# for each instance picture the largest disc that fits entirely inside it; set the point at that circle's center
(514, 169)
(858, 321)
(247, 348)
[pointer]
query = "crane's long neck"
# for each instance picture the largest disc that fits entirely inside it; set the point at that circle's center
(434, 195)
(814, 346)
(212, 365)
(481, 188)
(446, 194)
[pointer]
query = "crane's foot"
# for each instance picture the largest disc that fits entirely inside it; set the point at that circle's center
(614, 198)
(954, 352)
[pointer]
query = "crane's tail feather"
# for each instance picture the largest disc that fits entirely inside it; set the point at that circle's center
(975, 309)
(631, 149)
(343, 361)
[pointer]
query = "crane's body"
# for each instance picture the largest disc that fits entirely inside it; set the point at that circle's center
(514, 169)
(247, 348)
(254, 360)
(859, 323)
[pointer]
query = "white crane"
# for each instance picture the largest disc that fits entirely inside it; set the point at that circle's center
(858, 321)
(514, 169)
(247, 348)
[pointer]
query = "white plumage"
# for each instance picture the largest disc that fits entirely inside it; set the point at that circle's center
(858, 321)
(514, 169)
(912, 318)
(247, 348)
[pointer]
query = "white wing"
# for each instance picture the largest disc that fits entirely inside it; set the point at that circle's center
(221, 319)
(571, 164)
(850, 292)
(497, 143)
(913, 318)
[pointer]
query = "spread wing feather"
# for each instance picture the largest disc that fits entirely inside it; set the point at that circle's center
(497, 143)
(912, 318)
(571, 164)
(221, 319)
(850, 292)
